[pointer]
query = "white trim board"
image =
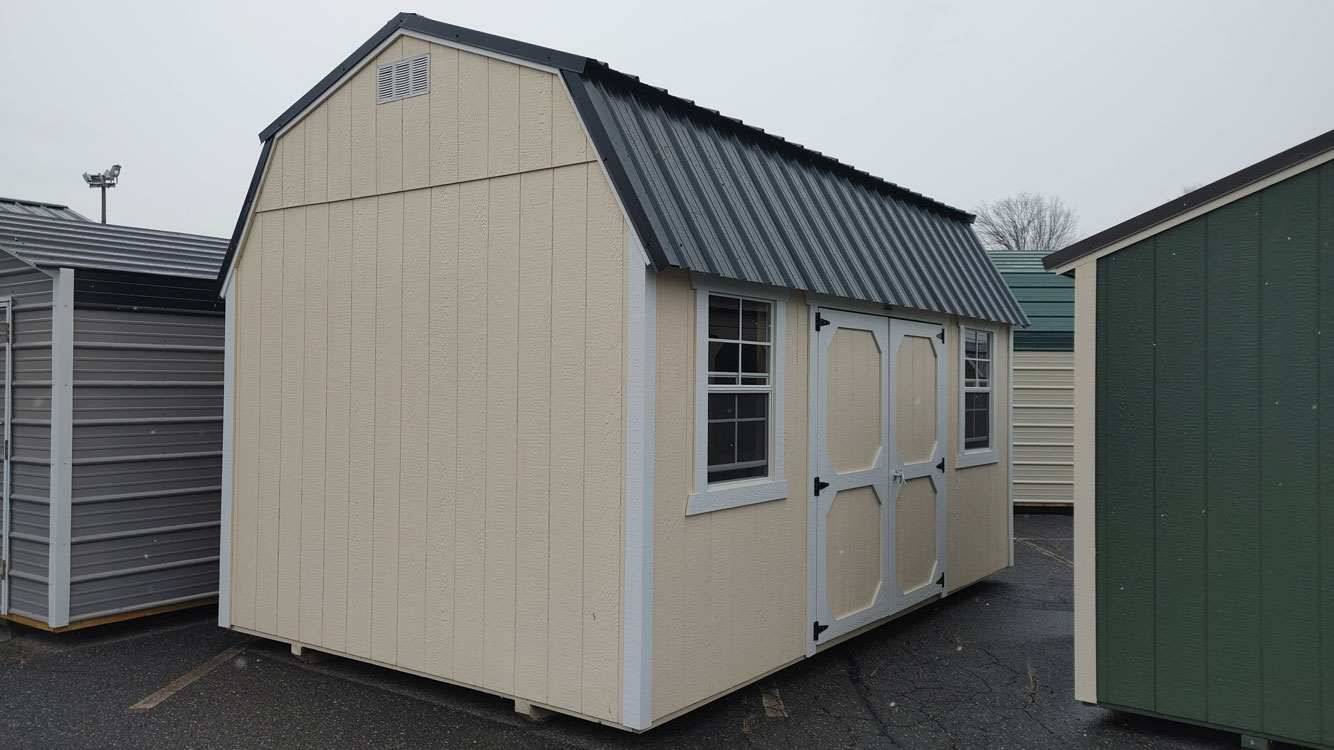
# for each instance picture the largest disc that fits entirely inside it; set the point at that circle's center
(5, 504)
(964, 458)
(228, 452)
(62, 448)
(640, 403)
(1197, 211)
(1085, 588)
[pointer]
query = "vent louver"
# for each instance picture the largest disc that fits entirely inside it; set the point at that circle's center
(402, 79)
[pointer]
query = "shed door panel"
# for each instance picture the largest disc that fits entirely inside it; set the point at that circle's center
(852, 444)
(917, 447)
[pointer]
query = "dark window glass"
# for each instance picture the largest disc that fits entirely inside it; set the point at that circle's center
(977, 420)
(723, 357)
(724, 321)
(754, 358)
(740, 336)
(754, 320)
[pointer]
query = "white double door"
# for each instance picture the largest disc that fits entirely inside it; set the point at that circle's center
(879, 488)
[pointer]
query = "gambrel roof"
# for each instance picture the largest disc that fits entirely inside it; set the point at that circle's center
(708, 193)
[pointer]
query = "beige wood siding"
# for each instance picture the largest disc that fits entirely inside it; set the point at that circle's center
(979, 499)
(729, 587)
(1044, 405)
(429, 425)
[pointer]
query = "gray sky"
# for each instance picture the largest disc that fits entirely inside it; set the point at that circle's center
(1112, 106)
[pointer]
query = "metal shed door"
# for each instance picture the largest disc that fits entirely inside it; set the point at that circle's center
(6, 319)
(917, 453)
(851, 487)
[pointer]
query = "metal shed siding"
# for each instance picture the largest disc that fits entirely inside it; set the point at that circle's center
(30, 469)
(709, 194)
(147, 447)
(1215, 448)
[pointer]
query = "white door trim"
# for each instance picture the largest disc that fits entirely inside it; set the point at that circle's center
(6, 374)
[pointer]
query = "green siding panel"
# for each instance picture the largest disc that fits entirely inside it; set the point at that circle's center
(1215, 467)
(1289, 535)
(1126, 496)
(1178, 473)
(1325, 360)
(1232, 379)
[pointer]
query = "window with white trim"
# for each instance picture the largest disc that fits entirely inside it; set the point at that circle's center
(977, 389)
(738, 455)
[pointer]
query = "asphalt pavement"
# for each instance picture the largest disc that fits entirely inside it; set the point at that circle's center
(988, 667)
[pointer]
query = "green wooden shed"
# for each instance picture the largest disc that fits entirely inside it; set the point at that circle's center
(1204, 454)
(1044, 380)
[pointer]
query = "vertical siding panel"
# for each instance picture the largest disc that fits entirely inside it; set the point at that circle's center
(362, 445)
(444, 98)
(1180, 581)
(503, 109)
(569, 145)
(413, 473)
(1125, 458)
(313, 428)
(270, 421)
(535, 436)
(362, 116)
(502, 348)
(442, 430)
(293, 144)
(388, 130)
(246, 457)
(271, 192)
(338, 425)
(534, 119)
(1232, 392)
(568, 278)
(339, 113)
(1288, 518)
(673, 467)
(317, 155)
(1325, 471)
(416, 127)
(604, 458)
(474, 94)
(470, 479)
(290, 420)
(388, 423)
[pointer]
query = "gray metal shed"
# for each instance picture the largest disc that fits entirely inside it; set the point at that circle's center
(111, 405)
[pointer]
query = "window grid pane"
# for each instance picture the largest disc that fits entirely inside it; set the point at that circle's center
(977, 389)
(740, 339)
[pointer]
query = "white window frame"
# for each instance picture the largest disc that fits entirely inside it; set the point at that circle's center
(733, 494)
(990, 454)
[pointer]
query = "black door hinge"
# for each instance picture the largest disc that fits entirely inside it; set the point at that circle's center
(940, 466)
(941, 582)
(941, 335)
(819, 486)
(820, 321)
(817, 630)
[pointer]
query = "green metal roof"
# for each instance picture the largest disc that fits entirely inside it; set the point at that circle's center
(1047, 299)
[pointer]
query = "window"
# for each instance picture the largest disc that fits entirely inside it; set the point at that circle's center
(978, 397)
(402, 79)
(738, 455)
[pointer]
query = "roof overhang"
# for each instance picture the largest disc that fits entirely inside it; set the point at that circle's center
(1235, 186)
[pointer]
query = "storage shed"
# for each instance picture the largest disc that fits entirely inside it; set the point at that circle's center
(112, 406)
(1044, 381)
(1204, 454)
(549, 383)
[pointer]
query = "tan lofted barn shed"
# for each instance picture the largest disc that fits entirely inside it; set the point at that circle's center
(546, 382)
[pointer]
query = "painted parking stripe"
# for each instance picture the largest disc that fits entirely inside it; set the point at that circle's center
(184, 680)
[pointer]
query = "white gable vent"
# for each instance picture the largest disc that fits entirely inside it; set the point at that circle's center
(399, 80)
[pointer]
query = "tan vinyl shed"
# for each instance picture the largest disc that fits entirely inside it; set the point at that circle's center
(546, 382)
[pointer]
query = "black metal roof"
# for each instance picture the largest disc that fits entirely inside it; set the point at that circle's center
(65, 243)
(708, 193)
(1194, 199)
(39, 208)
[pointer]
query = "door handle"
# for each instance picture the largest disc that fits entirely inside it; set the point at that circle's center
(897, 475)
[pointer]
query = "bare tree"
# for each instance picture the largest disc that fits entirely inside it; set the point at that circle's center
(1027, 221)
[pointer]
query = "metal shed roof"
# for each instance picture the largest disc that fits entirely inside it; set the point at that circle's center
(38, 208)
(709, 193)
(44, 241)
(1047, 299)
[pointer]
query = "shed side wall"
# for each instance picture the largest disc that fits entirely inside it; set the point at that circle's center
(147, 446)
(429, 388)
(1044, 383)
(1213, 430)
(30, 465)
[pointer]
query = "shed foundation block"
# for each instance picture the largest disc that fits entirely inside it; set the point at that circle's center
(308, 656)
(532, 713)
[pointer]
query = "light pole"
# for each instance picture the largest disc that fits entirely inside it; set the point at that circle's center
(105, 180)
